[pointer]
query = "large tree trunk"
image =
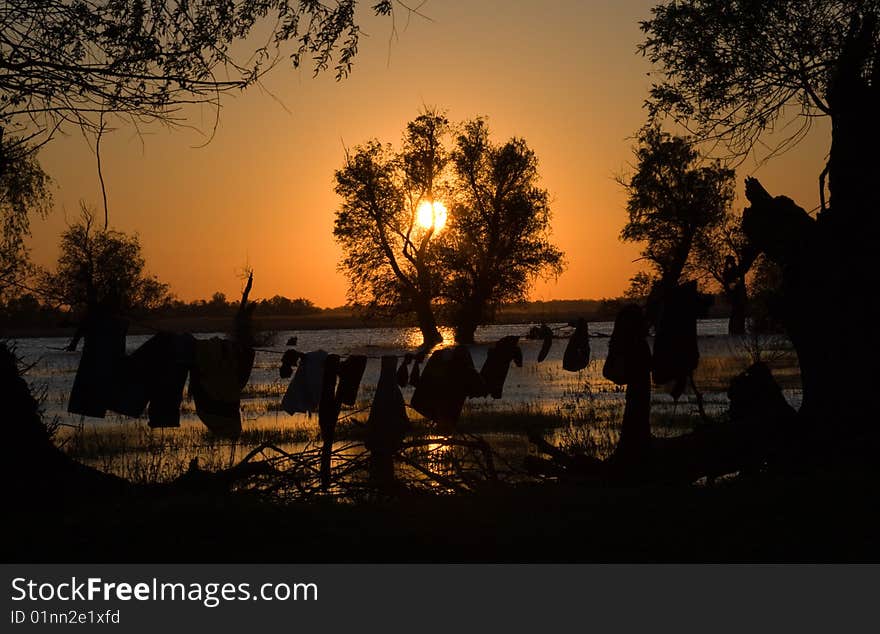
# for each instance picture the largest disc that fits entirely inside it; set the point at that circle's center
(829, 306)
(826, 304)
(427, 323)
(41, 471)
(467, 318)
(465, 329)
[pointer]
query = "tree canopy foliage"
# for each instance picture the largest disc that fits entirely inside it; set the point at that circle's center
(732, 71)
(499, 235)
(729, 69)
(674, 202)
(392, 261)
(495, 240)
(96, 264)
(75, 60)
(24, 189)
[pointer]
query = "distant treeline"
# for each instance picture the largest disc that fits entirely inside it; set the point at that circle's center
(26, 315)
(27, 312)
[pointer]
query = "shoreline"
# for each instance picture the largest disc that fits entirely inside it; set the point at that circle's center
(326, 320)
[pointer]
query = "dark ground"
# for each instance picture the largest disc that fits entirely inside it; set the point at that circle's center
(831, 515)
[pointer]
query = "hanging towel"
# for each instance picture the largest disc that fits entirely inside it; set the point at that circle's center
(351, 371)
(304, 392)
(498, 358)
(577, 352)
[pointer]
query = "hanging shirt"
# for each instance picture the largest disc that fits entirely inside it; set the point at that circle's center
(351, 371)
(577, 351)
(328, 407)
(221, 370)
(304, 392)
(449, 377)
(99, 365)
(155, 373)
(498, 359)
(387, 423)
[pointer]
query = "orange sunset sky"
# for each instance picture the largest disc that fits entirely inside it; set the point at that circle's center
(565, 76)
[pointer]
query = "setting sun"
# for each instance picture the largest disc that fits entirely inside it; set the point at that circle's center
(431, 214)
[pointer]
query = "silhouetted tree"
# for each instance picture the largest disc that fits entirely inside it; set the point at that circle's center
(24, 190)
(498, 239)
(218, 301)
(640, 286)
(764, 296)
(95, 263)
(726, 255)
(280, 305)
(66, 61)
(730, 68)
(674, 201)
(390, 258)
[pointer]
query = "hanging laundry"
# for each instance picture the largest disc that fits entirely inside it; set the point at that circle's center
(629, 362)
(289, 359)
(415, 375)
(328, 406)
(403, 371)
(99, 366)
(498, 359)
(448, 379)
(155, 373)
(351, 371)
(221, 370)
(328, 415)
(386, 425)
(676, 354)
(626, 339)
(387, 422)
(577, 352)
(544, 332)
(304, 392)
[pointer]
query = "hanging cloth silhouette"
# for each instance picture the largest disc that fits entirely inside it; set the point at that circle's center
(387, 422)
(676, 354)
(449, 377)
(304, 392)
(99, 366)
(498, 360)
(577, 351)
(629, 362)
(220, 372)
(351, 371)
(153, 378)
